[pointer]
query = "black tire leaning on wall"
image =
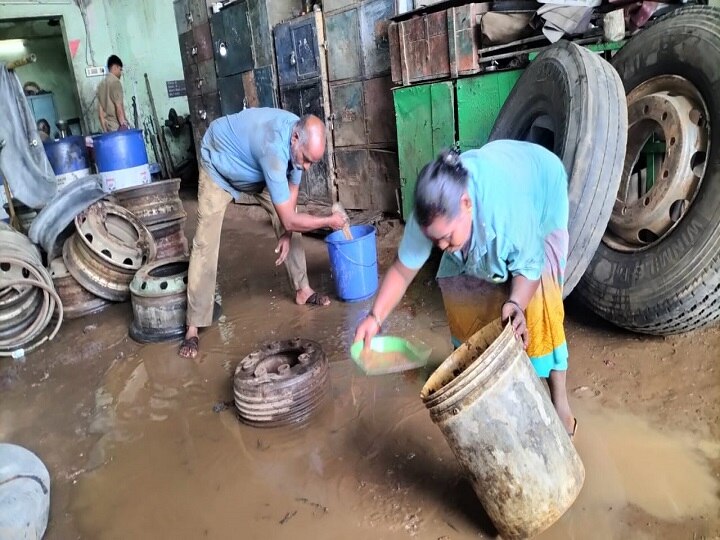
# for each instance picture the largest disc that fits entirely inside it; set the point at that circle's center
(674, 285)
(580, 97)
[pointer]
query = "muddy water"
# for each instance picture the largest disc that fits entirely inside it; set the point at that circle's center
(136, 449)
(370, 465)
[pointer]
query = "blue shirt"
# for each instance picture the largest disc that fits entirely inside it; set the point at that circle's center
(519, 196)
(247, 151)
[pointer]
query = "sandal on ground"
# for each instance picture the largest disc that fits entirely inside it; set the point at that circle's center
(316, 299)
(189, 347)
(574, 430)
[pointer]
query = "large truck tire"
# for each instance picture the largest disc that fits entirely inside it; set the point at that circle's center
(572, 102)
(657, 270)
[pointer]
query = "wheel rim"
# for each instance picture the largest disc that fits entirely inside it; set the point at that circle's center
(668, 145)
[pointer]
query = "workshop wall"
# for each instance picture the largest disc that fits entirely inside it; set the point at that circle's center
(142, 34)
(51, 72)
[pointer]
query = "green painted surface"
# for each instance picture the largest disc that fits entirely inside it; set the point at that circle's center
(425, 117)
(479, 100)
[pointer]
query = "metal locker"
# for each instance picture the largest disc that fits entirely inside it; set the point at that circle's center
(379, 110)
(297, 51)
(374, 22)
(199, 11)
(344, 55)
(348, 109)
(207, 81)
(367, 178)
(182, 16)
(203, 42)
(265, 87)
(188, 51)
(232, 41)
(232, 95)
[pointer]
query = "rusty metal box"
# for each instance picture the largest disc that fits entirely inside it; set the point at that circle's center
(436, 45)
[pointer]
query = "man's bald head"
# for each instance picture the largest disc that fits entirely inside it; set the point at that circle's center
(307, 144)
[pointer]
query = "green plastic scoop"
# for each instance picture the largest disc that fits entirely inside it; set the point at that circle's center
(389, 354)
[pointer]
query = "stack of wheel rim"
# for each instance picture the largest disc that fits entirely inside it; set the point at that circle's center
(159, 299)
(158, 206)
(30, 310)
(644, 170)
(77, 301)
(282, 383)
(108, 247)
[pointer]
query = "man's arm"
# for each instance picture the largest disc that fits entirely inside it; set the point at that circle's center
(294, 190)
(101, 117)
(293, 221)
(120, 113)
(116, 96)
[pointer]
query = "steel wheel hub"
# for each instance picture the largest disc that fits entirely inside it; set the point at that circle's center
(667, 148)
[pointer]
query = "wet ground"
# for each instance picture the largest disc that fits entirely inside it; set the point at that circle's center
(139, 444)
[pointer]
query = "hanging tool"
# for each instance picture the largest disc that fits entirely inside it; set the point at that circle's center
(136, 119)
(163, 147)
(30, 59)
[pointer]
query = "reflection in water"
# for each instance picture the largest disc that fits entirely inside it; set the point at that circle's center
(371, 464)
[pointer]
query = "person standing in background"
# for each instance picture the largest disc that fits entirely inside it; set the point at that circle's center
(111, 110)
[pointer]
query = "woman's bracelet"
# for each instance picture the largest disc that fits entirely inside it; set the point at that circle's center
(376, 319)
(514, 303)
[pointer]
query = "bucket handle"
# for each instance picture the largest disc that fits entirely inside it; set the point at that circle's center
(355, 262)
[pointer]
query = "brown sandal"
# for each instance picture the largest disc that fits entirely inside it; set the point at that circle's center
(189, 347)
(316, 299)
(574, 430)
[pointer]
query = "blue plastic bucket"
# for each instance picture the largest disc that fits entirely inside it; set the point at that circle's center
(68, 159)
(121, 159)
(353, 263)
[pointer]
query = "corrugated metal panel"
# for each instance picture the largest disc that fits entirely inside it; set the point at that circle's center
(379, 110)
(232, 40)
(203, 42)
(343, 51)
(348, 108)
(374, 36)
(367, 178)
(231, 93)
(425, 117)
(479, 100)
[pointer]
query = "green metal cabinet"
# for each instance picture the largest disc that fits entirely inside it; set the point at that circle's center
(425, 119)
(479, 100)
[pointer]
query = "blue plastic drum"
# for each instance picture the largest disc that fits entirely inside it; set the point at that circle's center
(68, 159)
(121, 159)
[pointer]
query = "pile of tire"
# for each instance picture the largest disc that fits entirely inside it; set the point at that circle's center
(640, 140)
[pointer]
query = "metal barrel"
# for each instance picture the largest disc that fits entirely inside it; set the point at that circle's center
(501, 425)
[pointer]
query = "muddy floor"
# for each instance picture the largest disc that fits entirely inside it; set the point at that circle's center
(140, 443)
